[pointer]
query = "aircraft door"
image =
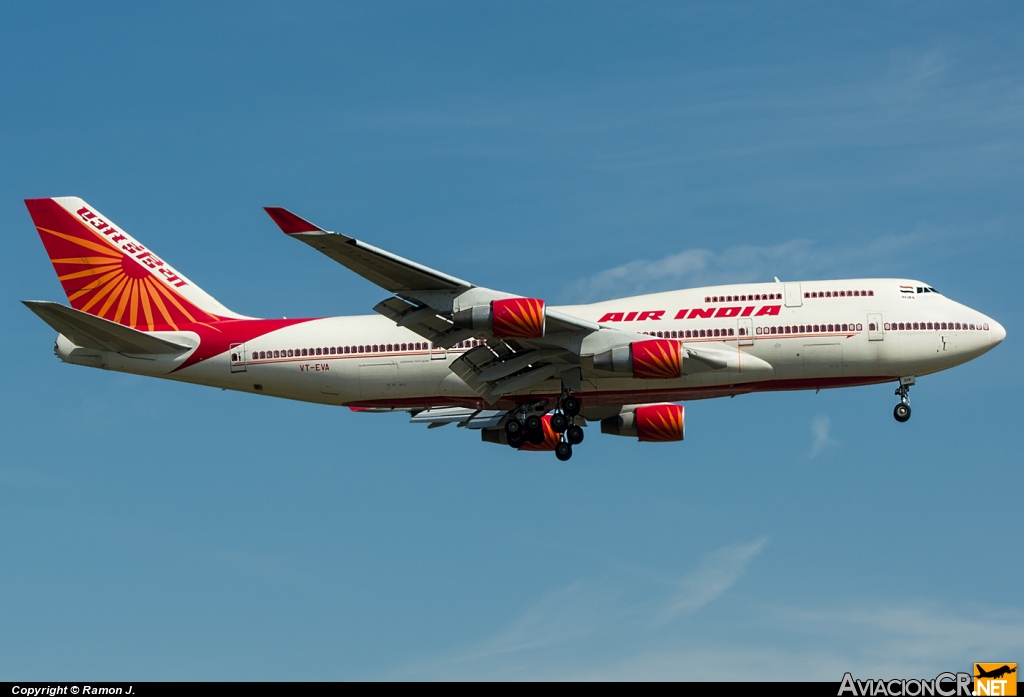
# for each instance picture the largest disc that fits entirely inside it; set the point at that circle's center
(875, 332)
(745, 330)
(237, 355)
(794, 298)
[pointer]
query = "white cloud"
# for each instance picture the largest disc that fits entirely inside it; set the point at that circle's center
(600, 631)
(565, 634)
(820, 428)
(717, 574)
(795, 259)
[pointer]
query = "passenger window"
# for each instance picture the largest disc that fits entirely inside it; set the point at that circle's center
(732, 332)
(871, 326)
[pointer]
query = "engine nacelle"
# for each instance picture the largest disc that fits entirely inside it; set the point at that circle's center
(651, 423)
(653, 359)
(511, 318)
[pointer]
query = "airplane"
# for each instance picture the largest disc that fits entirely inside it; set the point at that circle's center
(523, 373)
(995, 673)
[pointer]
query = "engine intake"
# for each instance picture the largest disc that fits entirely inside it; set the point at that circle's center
(650, 423)
(654, 359)
(511, 318)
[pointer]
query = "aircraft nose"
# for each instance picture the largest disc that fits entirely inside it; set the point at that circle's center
(996, 331)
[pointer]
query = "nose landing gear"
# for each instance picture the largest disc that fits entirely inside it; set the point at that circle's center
(902, 410)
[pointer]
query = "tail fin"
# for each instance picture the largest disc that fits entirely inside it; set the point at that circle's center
(106, 273)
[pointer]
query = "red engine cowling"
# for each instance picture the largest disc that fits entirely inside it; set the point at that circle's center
(510, 318)
(654, 359)
(651, 423)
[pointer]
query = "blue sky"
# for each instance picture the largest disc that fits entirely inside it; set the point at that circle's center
(579, 151)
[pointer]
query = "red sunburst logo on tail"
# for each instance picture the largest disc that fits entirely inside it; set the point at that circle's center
(108, 274)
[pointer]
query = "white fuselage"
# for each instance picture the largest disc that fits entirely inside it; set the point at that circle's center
(809, 335)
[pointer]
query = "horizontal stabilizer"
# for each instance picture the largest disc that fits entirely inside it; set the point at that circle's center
(89, 331)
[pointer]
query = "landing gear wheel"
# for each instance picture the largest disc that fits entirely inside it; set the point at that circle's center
(901, 413)
(574, 435)
(563, 451)
(559, 422)
(571, 406)
(513, 428)
(515, 441)
(534, 424)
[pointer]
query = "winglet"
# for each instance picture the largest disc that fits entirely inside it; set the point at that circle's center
(290, 223)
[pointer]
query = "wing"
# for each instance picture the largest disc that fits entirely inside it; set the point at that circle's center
(389, 271)
(526, 342)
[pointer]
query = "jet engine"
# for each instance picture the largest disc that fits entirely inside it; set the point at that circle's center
(511, 318)
(653, 359)
(651, 423)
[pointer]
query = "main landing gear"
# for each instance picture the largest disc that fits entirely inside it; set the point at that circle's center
(521, 429)
(902, 410)
(524, 427)
(562, 423)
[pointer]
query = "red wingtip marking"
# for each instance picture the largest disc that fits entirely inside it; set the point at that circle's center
(289, 222)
